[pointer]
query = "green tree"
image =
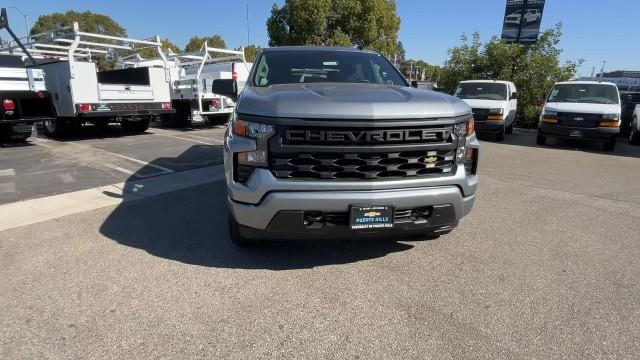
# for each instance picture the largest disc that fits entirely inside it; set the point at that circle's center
(152, 52)
(88, 22)
(196, 42)
(372, 23)
(250, 52)
(533, 68)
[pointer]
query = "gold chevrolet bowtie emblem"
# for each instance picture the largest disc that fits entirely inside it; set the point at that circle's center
(431, 159)
(371, 214)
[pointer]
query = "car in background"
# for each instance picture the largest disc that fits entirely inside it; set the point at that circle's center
(634, 127)
(585, 110)
(629, 102)
(494, 104)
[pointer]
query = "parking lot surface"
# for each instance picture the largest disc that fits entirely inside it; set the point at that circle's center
(546, 266)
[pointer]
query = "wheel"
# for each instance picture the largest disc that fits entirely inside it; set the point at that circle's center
(609, 145)
(541, 139)
(500, 135)
(56, 127)
(509, 129)
(138, 126)
(634, 134)
(235, 235)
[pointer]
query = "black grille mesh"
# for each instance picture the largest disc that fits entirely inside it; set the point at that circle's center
(366, 165)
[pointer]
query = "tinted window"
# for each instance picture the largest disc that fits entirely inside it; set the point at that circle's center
(11, 61)
(484, 91)
(585, 93)
(312, 66)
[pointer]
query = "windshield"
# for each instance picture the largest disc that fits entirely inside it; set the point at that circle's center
(483, 91)
(585, 93)
(312, 66)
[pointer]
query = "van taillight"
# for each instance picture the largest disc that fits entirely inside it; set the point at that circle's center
(8, 105)
(84, 107)
(40, 95)
(214, 103)
(234, 75)
(166, 106)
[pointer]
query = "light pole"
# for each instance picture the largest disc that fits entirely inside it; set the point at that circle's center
(26, 23)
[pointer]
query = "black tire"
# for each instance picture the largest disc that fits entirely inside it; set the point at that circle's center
(541, 139)
(137, 127)
(609, 145)
(634, 134)
(509, 129)
(56, 127)
(500, 135)
(235, 235)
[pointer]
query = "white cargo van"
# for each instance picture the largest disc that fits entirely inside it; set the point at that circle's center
(494, 104)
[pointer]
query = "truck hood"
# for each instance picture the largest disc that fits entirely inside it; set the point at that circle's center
(485, 104)
(584, 108)
(348, 101)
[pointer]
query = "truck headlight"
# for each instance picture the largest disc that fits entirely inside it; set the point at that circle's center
(261, 133)
(613, 117)
(496, 111)
(550, 113)
(464, 129)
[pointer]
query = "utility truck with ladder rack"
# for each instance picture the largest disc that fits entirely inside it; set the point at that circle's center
(192, 74)
(83, 94)
(22, 92)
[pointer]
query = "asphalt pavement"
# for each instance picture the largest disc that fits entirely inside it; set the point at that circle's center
(547, 265)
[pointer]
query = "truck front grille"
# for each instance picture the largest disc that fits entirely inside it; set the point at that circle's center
(362, 153)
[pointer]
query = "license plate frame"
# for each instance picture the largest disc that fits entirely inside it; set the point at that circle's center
(371, 217)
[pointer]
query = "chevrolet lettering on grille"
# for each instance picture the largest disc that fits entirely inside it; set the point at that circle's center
(374, 136)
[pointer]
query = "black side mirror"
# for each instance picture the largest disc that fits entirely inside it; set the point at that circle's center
(514, 96)
(225, 87)
(414, 83)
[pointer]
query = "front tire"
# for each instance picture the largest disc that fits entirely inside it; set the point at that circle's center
(500, 135)
(235, 235)
(541, 139)
(609, 145)
(509, 129)
(634, 134)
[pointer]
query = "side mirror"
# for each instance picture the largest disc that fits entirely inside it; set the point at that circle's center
(627, 98)
(514, 96)
(542, 97)
(414, 83)
(225, 87)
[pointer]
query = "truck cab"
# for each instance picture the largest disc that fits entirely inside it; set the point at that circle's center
(583, 110)
(494, 105)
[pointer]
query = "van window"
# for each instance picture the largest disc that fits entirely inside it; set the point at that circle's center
(482, 91)
(585, 93)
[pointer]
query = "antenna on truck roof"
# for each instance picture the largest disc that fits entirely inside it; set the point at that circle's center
(4, 24)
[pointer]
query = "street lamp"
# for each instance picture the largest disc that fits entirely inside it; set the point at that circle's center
(26, 23)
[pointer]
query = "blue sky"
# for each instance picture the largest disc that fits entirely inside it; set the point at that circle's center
(593, 30)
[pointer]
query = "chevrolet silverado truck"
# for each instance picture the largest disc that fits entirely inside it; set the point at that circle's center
(334, 143)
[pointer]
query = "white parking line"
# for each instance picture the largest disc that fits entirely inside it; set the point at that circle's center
(8, 172)
(164, 170)
(188, 139)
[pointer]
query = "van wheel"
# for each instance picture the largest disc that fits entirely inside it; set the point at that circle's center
(609, 145)
(634, 135)
(500, 135)
(510, 128)
(541, 139)
(138, 126)
(235, 235)
(56, 127)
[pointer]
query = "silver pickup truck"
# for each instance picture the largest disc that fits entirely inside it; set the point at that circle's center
(334, 143)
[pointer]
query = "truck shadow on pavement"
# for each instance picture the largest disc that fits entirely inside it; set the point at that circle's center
(524, 137)
(190, 226)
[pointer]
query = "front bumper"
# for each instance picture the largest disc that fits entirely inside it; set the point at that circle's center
(580, 133)
(489, 126)
(270, 207)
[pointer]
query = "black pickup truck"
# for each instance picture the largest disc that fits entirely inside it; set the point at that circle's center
(24, 99)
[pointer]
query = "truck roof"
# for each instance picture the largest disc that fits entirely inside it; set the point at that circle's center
(485, 81)
(316, 48)
(586, 83)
